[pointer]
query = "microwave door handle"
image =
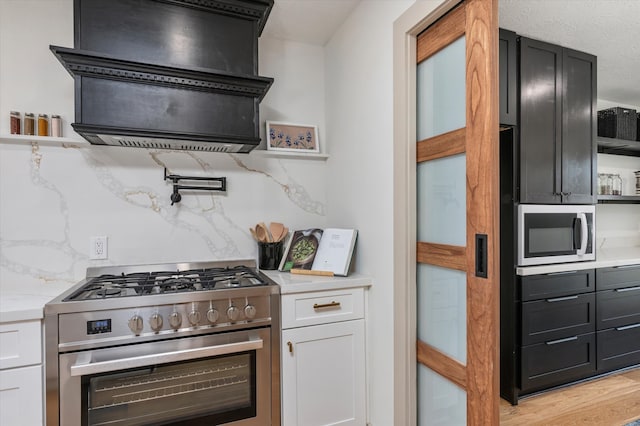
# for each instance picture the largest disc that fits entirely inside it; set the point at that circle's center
(584, 234)
(86, 367)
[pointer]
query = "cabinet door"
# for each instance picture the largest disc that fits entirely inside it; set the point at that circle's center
(323, 375)
(618, 308)
(540, 121)
(558, 317)
(579, 128)
(508, 78)
(557, 362)
(21, 396)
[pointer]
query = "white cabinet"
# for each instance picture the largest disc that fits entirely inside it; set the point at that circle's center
(323, 358)
(21, 373)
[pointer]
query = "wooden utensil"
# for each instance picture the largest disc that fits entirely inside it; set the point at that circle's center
(276, 229)
(284, 234)
(263, 233)
(253, 232)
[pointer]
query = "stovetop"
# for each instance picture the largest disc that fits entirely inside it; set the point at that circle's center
(107, 286)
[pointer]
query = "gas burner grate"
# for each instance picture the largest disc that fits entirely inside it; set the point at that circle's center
(164, 282)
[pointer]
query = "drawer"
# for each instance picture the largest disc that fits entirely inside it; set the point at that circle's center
(557, 362)
(558, 317)
(618, 347)
(21, 396)
(20, 344)
(302, 309)
(618, 277)
(618, 307)
(557, 284)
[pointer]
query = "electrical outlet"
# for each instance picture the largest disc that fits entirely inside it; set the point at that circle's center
(98, 248)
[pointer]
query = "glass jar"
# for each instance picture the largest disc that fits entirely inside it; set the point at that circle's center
(43, 125)
(601, 183)
(29, 124)
(15, 122)
(56, 126)
(616, 185)
(608, 184)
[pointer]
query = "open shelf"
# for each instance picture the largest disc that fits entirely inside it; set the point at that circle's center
(619, 199)
(28, 138)
(618, 146)
(289, 154)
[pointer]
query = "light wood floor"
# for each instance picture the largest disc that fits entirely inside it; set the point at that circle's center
(609, 401)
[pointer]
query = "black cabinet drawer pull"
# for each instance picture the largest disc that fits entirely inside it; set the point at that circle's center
(622, 290)
(561, 273)
(560, 299)
(628, 327)
(625, 266)
(568, 339)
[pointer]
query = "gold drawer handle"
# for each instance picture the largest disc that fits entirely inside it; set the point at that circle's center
(290, 347)
(333, 304)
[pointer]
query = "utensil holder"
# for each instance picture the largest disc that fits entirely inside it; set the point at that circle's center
(269, 255)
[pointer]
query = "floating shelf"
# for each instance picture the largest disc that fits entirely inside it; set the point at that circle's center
(28, 138)
(289, 154)
(618, 146)
(618, 199)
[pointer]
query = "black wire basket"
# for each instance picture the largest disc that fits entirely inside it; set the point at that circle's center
(619, 123)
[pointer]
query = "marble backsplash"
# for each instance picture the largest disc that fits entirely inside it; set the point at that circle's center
(55, 196)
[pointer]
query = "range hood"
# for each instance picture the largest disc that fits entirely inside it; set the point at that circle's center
(172, 74)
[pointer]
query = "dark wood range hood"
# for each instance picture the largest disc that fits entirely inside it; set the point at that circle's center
(174, 74)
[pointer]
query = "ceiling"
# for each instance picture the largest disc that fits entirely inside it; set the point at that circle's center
(307, 21)
(608, 29)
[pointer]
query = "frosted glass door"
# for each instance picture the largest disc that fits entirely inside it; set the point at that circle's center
(457, 206)
(441, 220)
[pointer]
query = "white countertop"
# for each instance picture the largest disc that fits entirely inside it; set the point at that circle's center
(290, 283)
(619, 256)
(26, 302)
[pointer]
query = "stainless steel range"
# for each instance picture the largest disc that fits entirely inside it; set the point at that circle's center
(172, 344)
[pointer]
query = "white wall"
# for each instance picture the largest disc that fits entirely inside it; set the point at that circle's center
(359, 73)
(618, 225)
(54, 197)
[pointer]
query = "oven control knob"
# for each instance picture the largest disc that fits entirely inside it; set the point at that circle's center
(250, 311)
(233, 313)
(194, 317)
(212, 315)
(175, 320)
(155, 322)
(135, 324)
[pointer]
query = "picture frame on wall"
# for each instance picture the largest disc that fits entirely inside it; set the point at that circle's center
(290, 137)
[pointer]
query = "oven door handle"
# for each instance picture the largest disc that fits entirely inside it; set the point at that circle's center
(87, 368)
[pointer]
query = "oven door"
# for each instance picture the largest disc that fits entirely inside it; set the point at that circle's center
(206, 380)
(555, 234)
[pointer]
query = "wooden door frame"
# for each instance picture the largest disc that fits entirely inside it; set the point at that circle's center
(479, 352)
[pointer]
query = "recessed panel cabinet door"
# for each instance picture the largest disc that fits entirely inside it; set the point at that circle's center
(540, 119)
(579, 128)
(323, 375)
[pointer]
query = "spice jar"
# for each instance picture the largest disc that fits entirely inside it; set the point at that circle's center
(29, 124)
(15, 123)
(43, 125)
(56, 126)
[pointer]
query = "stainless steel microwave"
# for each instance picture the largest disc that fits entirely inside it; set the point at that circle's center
(555, 234)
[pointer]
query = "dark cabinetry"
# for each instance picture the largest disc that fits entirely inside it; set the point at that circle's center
(618, 317)
(557, 124)
(508, 64)
(557, 329)
(562, 327)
